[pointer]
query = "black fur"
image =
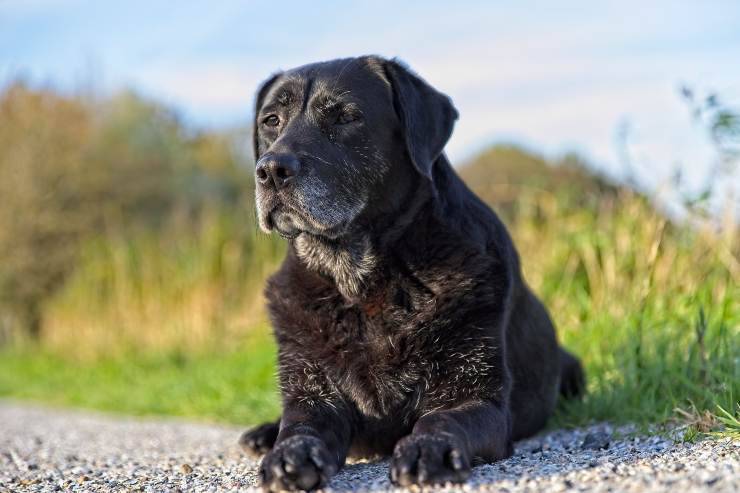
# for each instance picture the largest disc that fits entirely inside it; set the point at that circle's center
(403, 323)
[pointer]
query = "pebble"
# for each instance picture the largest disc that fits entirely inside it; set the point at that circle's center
(596, 440)
(84, 451)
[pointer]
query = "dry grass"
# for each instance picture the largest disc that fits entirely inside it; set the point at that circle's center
(651, 306)
(148, 293)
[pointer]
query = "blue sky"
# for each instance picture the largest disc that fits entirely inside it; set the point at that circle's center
(555, 76)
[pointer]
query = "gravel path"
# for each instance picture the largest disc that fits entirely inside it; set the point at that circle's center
(45, 449)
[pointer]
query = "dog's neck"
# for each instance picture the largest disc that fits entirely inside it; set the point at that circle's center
(348, 261)
(351, 260)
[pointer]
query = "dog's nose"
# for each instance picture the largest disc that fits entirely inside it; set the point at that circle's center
(277, 170)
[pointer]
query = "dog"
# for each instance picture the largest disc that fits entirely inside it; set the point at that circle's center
(403, 323)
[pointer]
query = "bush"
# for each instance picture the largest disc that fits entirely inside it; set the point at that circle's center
(76, 169)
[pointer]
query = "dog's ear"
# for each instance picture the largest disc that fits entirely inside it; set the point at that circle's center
(261, 93)
(427, 116)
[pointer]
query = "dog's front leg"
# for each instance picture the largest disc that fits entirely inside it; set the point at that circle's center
(443, 443)
(310, 448)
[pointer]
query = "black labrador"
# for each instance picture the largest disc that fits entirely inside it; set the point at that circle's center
(403, 322)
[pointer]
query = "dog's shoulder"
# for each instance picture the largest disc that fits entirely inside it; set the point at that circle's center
(458, 247)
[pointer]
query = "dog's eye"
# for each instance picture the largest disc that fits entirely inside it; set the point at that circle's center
(271, 121)
(345, 117)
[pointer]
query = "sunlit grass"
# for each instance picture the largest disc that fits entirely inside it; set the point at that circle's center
(234, 386)
(186, 291)
(154, 327)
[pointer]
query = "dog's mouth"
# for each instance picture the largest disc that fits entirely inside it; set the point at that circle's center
(289, 222)
(284, 223)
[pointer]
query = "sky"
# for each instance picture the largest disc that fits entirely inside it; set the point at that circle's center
(553, 76)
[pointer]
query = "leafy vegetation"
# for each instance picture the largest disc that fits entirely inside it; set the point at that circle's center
(154, 305)
(235, 386)
(75, 170)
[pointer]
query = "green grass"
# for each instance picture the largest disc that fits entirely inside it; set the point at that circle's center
(730, 421)
(234, 386)
(161, 313)
(238, 385)
(657, 368)
(632, 380)
(652, 309)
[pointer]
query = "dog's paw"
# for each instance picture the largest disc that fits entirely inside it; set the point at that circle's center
(260, 439)
(429, 459)
(300, 462)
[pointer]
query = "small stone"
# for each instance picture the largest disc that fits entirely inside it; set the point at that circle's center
(597, 440)
(186, 469)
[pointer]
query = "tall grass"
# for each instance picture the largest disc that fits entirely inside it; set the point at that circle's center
(652, 307)
(187, 291)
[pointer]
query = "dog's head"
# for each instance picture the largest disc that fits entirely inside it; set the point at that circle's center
(340, 140)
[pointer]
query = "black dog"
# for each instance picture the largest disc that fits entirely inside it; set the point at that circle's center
(403, 322)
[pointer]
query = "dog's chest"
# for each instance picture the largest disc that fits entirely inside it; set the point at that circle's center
(389, 351)
(371, 352)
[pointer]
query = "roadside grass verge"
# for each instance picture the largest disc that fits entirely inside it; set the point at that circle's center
(234, 386)
(651, 307)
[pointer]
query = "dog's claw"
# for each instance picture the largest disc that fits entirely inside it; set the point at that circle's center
(456, 459)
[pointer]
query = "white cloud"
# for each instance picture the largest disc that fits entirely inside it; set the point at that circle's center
(203, 87)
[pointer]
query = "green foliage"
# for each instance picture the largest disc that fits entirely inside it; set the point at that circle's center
(235, 386)
(43, 138)
(652, 309)
(730, 421)
(722, 122)
(691, 434)
(503, 173)
(165, 290)
(132, 243)
(74, 171)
